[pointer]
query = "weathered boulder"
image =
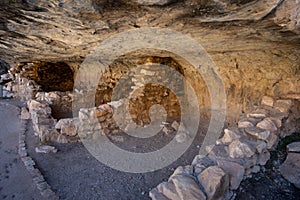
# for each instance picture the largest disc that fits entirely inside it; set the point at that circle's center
(258, 133)
(234, 170)
(267, 101)
(244, 124)
(229, 136)
(238, 149)
(177, 188)
(215, 182)
(294, 147)
(267, 124)
(290, 169)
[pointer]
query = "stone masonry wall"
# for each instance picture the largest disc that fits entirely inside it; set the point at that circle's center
(242, 150)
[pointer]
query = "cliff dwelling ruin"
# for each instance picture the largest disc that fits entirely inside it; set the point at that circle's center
(221, 123)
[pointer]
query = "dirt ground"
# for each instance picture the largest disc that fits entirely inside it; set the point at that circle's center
(73, 173)
(15, 181)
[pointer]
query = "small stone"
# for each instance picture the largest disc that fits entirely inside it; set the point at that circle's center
(277, 121)
(151, 3)
(255, 169)
(181, 136)
(267, 124)
(61, 139)
(45, 149)
(283, 105)
(202, 160)
(294, 147)
(234, 170)
(25, 114)
(117, 138)
(107, 107)
(167, 130)
(229, 136)
(267, 101)
(272, 141)
(261, 147)
(257, 115)
(42, 186)
(175, 125)
(244, 124)
(69, 130)
(238, 149)
(258, 133)
(68, 126)
(264, 157)
(38, 179)
(215, 182)
(290, 169)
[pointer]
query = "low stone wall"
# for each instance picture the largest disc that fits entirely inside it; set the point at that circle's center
(45, 125)
(241, 150)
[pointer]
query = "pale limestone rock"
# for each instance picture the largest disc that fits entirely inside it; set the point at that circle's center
(181, 137)
(151, 3)
(175, 125)
(24, 113)
(267, 101)
(229, 136)
(290, 169)
(292, 96)
(168, 190)
(267, 124)
(244, 124)
(69, 130)
(45, 149)
(167, 130)
(294, 147)
(283, 105)
(272, 140)
(234, 170)
(257, 115)
(68, 126)
(261, 147)
(258, 133)
(61, 139)
(154, 194)
(238, 149)
(187, 188)
(215, 182)
(186, 170)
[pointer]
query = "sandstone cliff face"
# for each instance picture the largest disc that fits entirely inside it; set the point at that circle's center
(254, 43)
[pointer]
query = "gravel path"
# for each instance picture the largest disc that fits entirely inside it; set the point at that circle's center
(73, 173)
(15, 181)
